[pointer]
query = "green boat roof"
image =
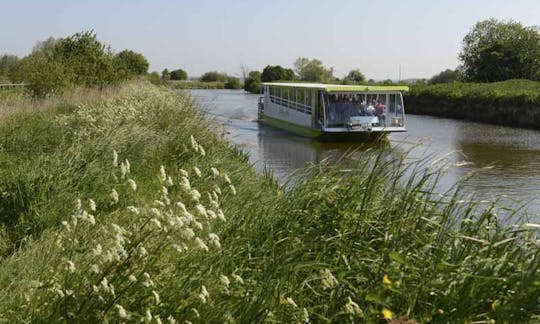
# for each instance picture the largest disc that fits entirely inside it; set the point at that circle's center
(338, 87)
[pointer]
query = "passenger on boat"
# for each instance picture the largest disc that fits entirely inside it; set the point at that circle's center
(370, 110)
(380, 110)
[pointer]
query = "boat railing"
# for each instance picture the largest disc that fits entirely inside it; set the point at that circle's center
(306, 109)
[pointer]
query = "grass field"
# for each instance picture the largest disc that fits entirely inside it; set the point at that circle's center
(125, 207)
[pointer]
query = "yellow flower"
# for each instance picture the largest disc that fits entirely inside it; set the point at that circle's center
(386, 280)
(387, 314)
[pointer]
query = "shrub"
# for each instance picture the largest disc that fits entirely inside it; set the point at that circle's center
(253, 82)
(233, 83)
(179, 75)
(276, 73)
(131, 62)
(214, 76)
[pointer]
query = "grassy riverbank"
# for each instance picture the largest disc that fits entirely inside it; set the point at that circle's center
(127, 207)
(511, 103)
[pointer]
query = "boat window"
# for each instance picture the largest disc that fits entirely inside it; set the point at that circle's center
(340, 107)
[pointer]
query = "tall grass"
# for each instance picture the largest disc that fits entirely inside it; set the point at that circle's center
(134, 209)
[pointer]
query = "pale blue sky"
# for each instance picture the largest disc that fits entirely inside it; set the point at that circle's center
(423, 36)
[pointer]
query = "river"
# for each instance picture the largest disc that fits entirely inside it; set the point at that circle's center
(506, 160)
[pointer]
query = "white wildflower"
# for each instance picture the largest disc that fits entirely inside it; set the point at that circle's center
(220, 215)
(227, 179)
(214, 240)
(200, 244)
(201, 211)
(169, 181)
(133, 209)
(197, 225)
(115, 158)
(211, 214)
(194, 144)
(97, 250)
(156, 296)
(196, 312)
(217, 189)
(78, 204)
(187, 233)
(70, 266)
(203, 296)
(132, 278)
(156, 222)
(148, 316)
(92, 205)
(104, 284)
(184, 173)
(128, 166)
(352, 308)
(159, 203)
(305, 316)
(94, 268)
(233, 189)
(66, 225)
(147, 280)
(60, 292)
(132, 184)
(114, 196)
(197, 171)
(237, 278)
(202, 151)
(215, 172)
(185, 185)
(142, 251)
(328, 279)
(123, 170)
(162, 174)
(224, 280)
(288, 301)
(181, 206)
(195, 195)
(121, 311)
(171, 319)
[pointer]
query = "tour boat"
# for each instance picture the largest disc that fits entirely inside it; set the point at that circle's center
(332, 111)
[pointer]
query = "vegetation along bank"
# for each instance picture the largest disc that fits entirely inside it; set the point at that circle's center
(510, 103)
(121, 204)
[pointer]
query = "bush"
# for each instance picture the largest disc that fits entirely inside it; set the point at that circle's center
(233, 83)
(276, 73)
(131, 62)
(446, 76)
(214, 76)
(179, 75)
(253, 82)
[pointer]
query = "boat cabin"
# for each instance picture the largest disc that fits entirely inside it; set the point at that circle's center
(329, 108)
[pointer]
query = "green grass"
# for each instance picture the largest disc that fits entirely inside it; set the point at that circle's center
(512, 91)
(341, 245)
(195, 84)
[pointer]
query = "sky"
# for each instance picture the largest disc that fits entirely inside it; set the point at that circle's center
(418, 37)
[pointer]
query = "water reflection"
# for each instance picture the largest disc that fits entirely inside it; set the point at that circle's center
(513, 154)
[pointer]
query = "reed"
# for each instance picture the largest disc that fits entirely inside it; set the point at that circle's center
(133, 208)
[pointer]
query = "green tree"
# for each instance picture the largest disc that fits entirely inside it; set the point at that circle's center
(354, 77)
(499, 50)
(154, 78)
(214, 76)
(233, 83)
(8, 66)
(88, 62)
(131, 62)
(446, 76)
(253, 82)
(44, 75)
(165, 74)
(276, 73)
(313, 70)
(179, 75)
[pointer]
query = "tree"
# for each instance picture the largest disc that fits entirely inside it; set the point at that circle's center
(312, 70)
(165, 74)
(8, 66)
(499, 50)
(131, 62)
(233, 83)
(179, 74)
(276, 73)
(446, 76)
(214, 76)
(253, 82)
(354, 77)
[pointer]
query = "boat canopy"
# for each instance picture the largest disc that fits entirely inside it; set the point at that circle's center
(338, 87)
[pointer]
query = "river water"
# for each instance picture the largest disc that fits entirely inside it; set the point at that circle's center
(505, 160)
